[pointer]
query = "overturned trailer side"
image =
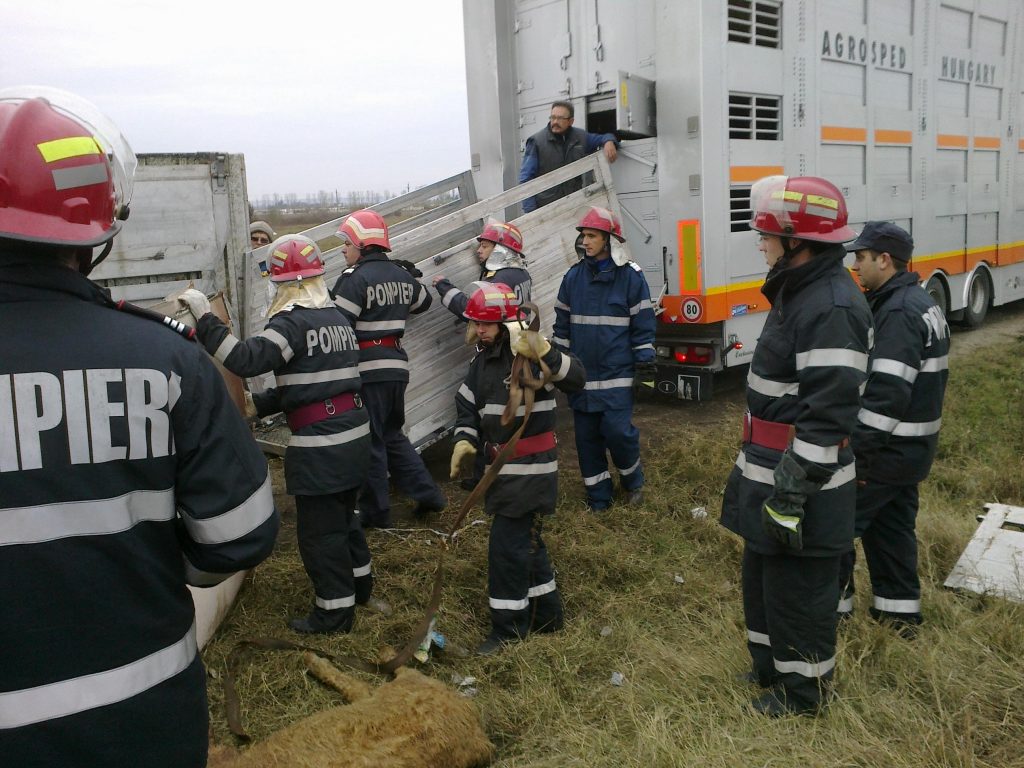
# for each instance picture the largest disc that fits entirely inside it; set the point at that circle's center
(442, 240)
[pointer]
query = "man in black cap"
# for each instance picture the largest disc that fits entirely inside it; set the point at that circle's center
(897, 428)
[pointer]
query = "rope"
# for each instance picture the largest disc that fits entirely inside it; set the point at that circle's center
(523, 385)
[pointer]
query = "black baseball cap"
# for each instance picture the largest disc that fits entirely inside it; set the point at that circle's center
(884, 236)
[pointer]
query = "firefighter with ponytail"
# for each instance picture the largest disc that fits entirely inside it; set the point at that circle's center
(522, 592)
(312, 351)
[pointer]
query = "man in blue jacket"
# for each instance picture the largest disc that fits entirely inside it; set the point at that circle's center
(556, 145)
(604, 316)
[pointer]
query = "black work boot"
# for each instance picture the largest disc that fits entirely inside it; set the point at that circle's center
(321, 622)
(775, 703)
(751, 677)
(429, 507)
(491, 645)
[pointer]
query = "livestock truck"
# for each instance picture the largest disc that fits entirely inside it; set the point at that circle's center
(913, 108)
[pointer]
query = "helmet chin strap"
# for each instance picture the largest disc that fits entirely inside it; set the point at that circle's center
(86, 263)
(787, 252)
(103, 254)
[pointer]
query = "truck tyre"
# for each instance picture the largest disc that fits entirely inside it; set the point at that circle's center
(936, 288)
(979, 296)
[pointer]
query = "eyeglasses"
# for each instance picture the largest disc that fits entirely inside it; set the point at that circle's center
(260, 240)
(559, 118)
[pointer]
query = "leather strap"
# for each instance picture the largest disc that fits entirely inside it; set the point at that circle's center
(526, 446)
(322, 410)
(387, 341)
(775, 435)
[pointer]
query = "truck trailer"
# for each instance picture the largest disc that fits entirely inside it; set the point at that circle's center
(913, 108)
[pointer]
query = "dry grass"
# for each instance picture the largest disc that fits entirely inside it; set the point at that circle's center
(953, 697)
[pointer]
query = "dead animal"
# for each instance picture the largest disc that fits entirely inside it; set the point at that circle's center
(412, 721)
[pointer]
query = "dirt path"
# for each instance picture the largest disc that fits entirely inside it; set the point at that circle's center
(1003, 324)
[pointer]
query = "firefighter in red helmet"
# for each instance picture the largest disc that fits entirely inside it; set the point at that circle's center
(312, 351)
(792, 493)
(604, 316)
(377, 295)
(500, 253)
(133, 472)
(521, 586)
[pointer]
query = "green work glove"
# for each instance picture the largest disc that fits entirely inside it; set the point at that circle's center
(531, 345)
(462, 449)
(782, 514)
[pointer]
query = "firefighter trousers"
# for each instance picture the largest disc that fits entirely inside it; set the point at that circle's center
(886, 525)
(391, 452)
(612, 431)
(334, 552)
(789, 606)
(521, 584)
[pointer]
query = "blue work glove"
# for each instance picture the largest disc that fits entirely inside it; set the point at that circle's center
(782, 514)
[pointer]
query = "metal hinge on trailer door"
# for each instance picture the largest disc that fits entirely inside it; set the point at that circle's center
(219, 174)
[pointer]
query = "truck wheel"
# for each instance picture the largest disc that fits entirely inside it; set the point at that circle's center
(979, 296)
(937, 290)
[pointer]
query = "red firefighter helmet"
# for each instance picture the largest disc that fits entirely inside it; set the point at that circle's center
(804, 207)
(603, 220)
(294, 257)
(503, 233)
(365, 228)
(65, 170)
(491, 303)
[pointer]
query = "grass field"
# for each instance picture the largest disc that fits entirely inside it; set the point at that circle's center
(653, 593)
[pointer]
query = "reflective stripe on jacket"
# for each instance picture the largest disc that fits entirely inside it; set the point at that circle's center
(314, 355)
(377, 296)
(527, 484)
(604, 316)
(897, 430)
(133, 473)
(807, 370)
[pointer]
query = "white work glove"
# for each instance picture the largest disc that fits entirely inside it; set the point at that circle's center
(463, 449)
(532, 345)
(196, 302)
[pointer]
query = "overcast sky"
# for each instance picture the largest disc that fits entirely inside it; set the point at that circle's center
(341, 95)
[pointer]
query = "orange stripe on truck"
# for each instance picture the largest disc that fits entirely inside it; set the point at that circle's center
(951, 141)
(747, 174)
(719, 303)
(688, 233)
(846, 135)
(987, 142)
(884, 136)
(723, 302)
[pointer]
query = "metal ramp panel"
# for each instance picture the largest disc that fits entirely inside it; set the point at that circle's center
(993, 561)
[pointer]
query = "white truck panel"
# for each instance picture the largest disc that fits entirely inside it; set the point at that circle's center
(188, 223)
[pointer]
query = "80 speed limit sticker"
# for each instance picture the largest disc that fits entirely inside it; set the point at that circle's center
(692, 310)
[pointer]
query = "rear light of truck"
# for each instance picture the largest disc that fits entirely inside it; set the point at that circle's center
(692, 354)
